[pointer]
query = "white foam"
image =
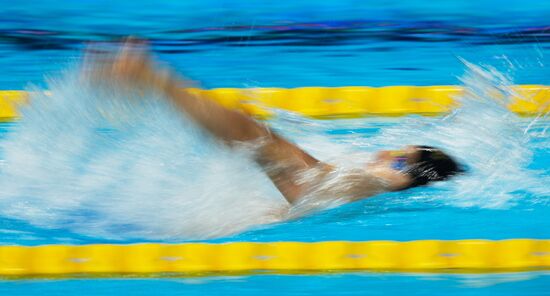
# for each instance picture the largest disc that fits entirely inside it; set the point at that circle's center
(104, 165)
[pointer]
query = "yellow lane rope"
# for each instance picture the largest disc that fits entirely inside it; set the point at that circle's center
(340, 102)
(423, 255)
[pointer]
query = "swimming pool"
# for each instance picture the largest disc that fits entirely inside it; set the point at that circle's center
(359, 46)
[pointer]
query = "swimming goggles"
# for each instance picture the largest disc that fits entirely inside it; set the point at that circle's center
(399, 162)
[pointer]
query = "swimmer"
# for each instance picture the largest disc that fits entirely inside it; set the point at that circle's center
(283, 162)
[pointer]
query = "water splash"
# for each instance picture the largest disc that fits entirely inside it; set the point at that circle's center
(100, 164)
(485, 136)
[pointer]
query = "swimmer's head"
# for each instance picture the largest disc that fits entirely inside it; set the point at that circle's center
(418, 165)
(431, 165)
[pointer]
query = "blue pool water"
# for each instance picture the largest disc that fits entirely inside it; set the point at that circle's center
(79, 175)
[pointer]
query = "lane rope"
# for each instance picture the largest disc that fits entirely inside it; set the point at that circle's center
(421, 255)
(339, 102)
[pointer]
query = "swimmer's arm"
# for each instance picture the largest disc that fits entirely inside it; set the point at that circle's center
(282, 161)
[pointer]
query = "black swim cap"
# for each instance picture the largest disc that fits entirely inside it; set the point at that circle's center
(432, 165)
